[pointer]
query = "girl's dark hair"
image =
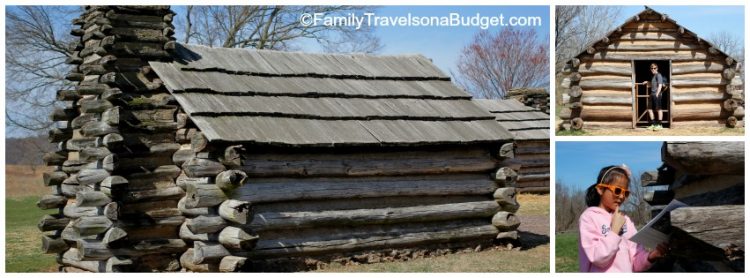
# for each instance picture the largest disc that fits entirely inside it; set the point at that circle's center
(607, 175)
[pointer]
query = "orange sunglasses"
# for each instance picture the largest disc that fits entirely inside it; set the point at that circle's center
(618, 191)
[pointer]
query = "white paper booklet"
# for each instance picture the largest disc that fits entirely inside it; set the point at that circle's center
(650, 237)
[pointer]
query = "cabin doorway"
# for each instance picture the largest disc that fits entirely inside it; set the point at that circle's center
(642, 93)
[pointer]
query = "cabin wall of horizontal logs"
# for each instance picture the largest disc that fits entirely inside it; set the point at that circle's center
(532, 162)
(138, 187)
(113, 198)
(704, 85)
(259, 211)
(709, 177)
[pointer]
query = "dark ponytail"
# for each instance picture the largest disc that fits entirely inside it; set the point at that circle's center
(612, 172)
(592, 196)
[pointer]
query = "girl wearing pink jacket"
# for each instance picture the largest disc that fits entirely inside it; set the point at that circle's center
(604, 244)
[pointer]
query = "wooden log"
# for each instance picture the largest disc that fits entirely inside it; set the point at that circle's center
(114, 237)
(94, 105)
(576, 123)
(206, 224)
(230, 179)
(78, 212)
(186, 261)
(375, 238)
(204, 195)
(53, 244)
(688, 68)
(237, 238)
(63, 114)
(506, 198)
(739, 112)
(54, 178)
(93, 129)
(187, 234)
(52, 201)
(604, 100)
(71, 258)
(236, 211)
(200, 167)
(198, 142)
(715, 225)
(705, 158)
(92, 225)
(182, 155)
(184, 135)
(232, 156)
(283, 189)
(113, 140)
(56, 135)
(92, 199)
(307, 219)
(730, 104)
(732, 122)
(575, 91)
(204, 252)
(511, 235)
(697, 96)
(94, 250)
(574, 62)
(507, 151)
(115, 264)
(92, 176)
(92, 154)
(505, 176)
(369, 164)
(505, 221)
(193, 211)
(114, 185)
(232, 264)
(607, 113)
(170, 193)
(533, 177)
(52, 222)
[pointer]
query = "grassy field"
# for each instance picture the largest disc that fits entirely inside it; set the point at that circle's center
(23, 239)
(566, 252)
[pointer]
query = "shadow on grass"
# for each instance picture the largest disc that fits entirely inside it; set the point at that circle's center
(531, 240)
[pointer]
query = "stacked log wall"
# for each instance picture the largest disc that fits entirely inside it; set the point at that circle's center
(113, 185)
(598, 84)
(531, 162)
(709, 177)
(248, 210)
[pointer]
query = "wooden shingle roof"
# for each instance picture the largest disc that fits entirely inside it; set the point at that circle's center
(290, 98)
(525, 123)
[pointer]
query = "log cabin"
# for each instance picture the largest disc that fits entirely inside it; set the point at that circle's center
(602, 84)
(708, 234)
(530, 129)
(176, 157)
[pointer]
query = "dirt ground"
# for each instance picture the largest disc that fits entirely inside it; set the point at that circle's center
(691, 131)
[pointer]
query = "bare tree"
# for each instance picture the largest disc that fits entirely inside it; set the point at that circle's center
(496, 62)
(577, 26)
(36, 48)
(732, 46)
(275, 27)
(37, 38)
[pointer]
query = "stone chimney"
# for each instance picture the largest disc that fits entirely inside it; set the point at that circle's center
(113, 181)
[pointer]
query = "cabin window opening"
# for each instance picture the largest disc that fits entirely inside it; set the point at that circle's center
(642, 99)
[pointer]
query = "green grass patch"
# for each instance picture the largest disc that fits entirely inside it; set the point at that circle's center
(566, 252)
(571, 132)
(23, 239)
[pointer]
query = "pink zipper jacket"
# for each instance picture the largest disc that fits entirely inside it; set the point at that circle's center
(600, 250)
